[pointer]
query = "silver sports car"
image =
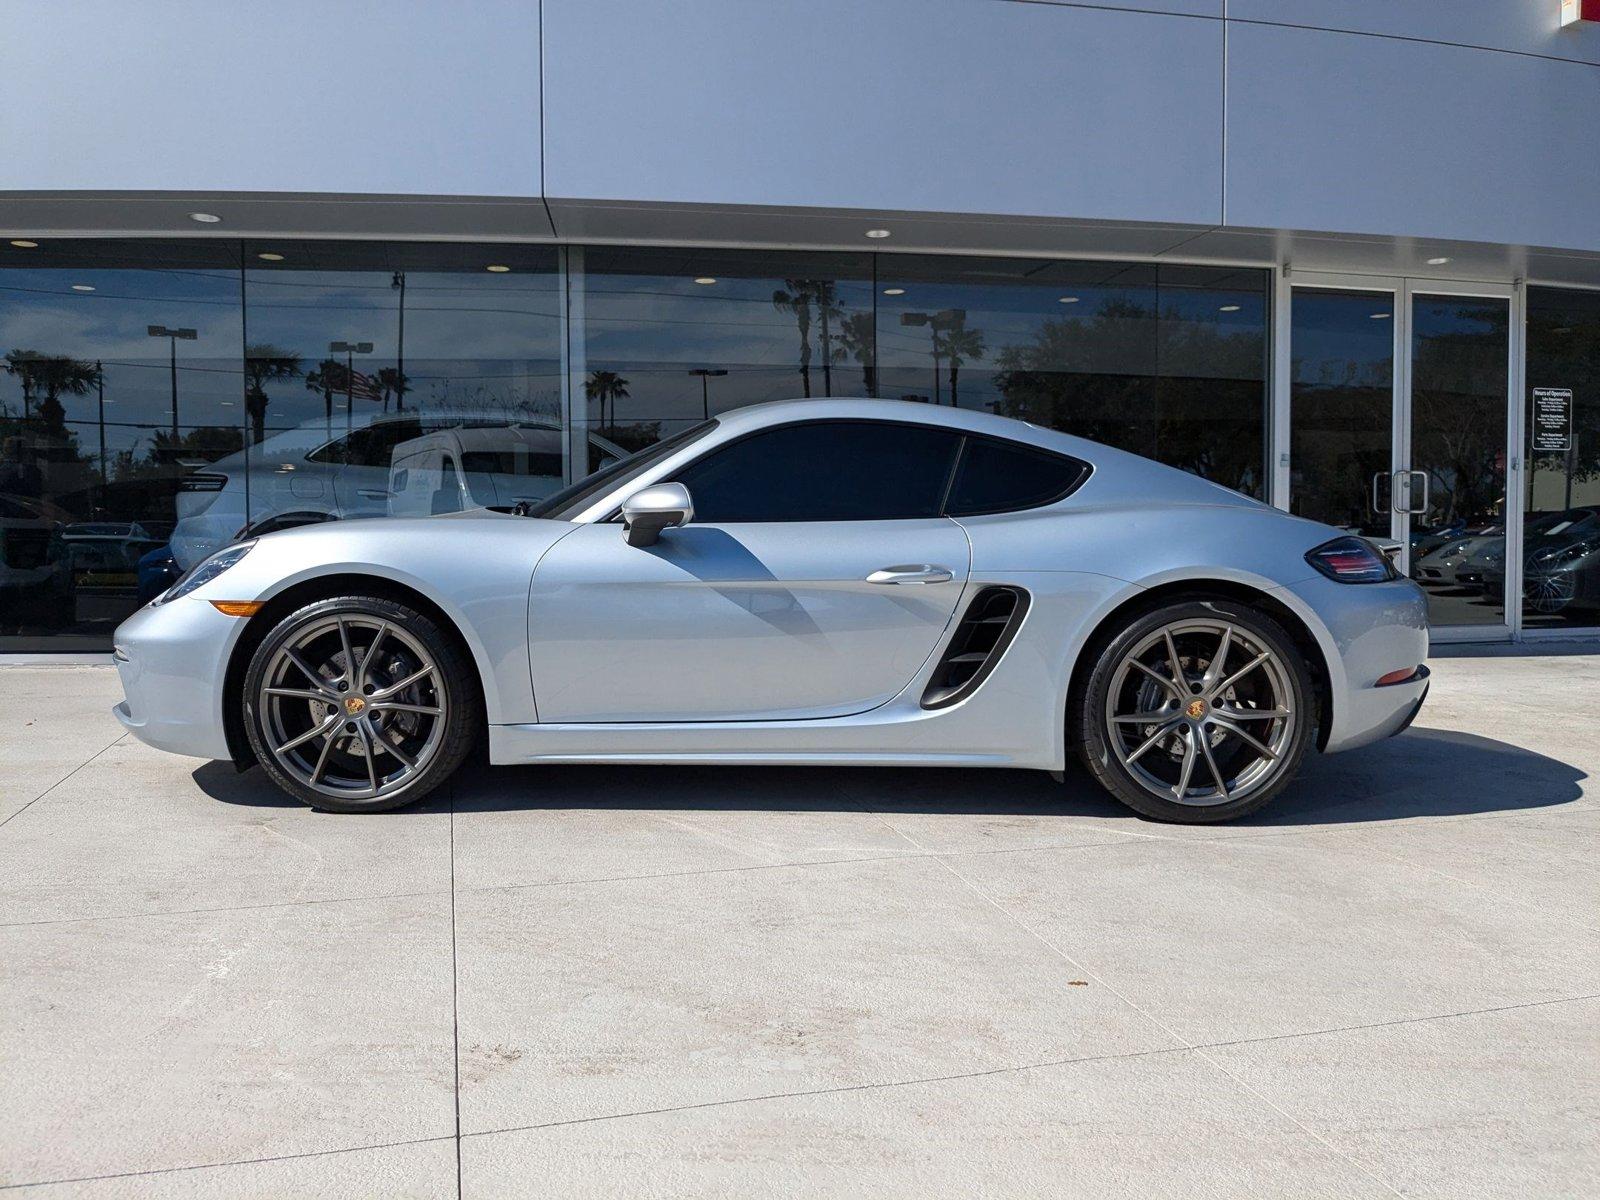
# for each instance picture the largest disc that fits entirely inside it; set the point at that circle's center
(841, 581)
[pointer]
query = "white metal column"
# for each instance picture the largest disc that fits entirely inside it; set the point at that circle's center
(574, 367)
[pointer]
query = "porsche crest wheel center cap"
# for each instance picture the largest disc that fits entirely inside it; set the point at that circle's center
(354, 705)
(1196, 708)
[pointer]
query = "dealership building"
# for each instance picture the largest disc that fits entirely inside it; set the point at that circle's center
(272, 264)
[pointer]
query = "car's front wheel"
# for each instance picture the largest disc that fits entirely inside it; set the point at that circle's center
(359, 704)
(1199, 711)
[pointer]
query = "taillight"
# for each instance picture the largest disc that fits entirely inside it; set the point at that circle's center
(1351, 560)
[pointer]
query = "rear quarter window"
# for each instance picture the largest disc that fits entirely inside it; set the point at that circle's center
(996, 476)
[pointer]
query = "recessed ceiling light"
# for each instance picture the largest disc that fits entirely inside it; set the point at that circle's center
(1381, 316)
(497, 268)
(1437, 262)
(205, 218)
(877, 233)
(83, 287)
(704, 280)
(1229, 308)
(268, 256)
(1066, 299)
(894, 291)
(24, 244)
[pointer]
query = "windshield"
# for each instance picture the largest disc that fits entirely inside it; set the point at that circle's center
(575, 497)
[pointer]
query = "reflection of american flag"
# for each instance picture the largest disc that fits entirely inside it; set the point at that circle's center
(364, 386)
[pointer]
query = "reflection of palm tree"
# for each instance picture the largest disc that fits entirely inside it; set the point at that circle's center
(392, 383)
(47, 379)
(603, 386)
(328, 378)
(858, 339)
(828, 311)
(797, 300)
(958, 344)
(263, 364)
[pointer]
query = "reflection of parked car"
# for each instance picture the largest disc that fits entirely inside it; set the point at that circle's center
(320, 474)
(1439, 567)
(455, 469)
(33, 575)
(158, 571)
(1560, 563)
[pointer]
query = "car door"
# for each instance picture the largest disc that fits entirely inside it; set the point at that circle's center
(814, 581)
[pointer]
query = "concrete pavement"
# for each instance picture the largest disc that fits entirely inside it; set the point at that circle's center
(603, 981)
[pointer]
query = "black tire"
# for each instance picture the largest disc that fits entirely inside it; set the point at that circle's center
(327, 636)
(1260, 777)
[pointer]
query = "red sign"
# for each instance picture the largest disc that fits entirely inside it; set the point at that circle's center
(1573, 11)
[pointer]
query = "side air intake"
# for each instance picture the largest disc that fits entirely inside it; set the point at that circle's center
(991, 621)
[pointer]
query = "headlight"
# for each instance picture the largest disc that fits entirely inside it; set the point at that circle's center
(1352, 560)
(205, 572)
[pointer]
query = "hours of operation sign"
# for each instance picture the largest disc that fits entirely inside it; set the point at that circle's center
(1552, 420)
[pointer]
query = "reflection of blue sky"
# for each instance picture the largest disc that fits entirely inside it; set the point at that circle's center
(1333, 333)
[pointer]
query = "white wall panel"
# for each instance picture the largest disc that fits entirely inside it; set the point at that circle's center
(377, 96)
(1525, 26)
(1332, 131)
(934, 105)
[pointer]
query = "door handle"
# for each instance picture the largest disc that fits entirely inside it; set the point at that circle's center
(912, 573)
(1379, 509)
(1416, 507)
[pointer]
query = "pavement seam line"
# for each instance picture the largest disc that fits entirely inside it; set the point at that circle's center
(1019, 1068)
(227, 908)
(63, 779)
(212, 1166)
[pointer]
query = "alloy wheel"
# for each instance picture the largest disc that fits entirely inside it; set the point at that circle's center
(352, 706)
(1201, 712)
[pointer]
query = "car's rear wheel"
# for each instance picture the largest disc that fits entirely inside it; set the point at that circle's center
(359, 704)
(1199, 711)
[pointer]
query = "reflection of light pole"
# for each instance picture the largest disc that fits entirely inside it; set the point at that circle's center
(399, 281)
(172, 336)
(349, 350)
(705, 397)
(100, 386)
(944, 319)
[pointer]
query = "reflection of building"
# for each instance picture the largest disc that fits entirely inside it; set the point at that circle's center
(1087, 216)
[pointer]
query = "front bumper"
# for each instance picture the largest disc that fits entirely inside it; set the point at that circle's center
(173, 659)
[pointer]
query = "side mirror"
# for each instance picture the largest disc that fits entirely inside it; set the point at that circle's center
(650, 510)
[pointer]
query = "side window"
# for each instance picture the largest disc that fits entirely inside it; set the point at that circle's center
(369, 447)
(996, 476)
(824, 471)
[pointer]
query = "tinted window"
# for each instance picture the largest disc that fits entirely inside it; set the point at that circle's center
(998, 476)
(825, 471)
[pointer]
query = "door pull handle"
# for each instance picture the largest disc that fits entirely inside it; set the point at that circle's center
(912, 573)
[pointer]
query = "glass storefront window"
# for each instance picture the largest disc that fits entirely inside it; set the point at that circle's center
(361, 354)
(1164, 361)
(1561, 530)
(120, 378)
(671, 337)
(162, 399)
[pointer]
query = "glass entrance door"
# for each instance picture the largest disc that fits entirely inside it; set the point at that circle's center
(1399, 406)
(1451, 490)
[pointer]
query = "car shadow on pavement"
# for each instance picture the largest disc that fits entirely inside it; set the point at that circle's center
(1423, 773)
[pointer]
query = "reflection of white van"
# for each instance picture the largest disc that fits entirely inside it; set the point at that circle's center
(311, 473)
(467, 467)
